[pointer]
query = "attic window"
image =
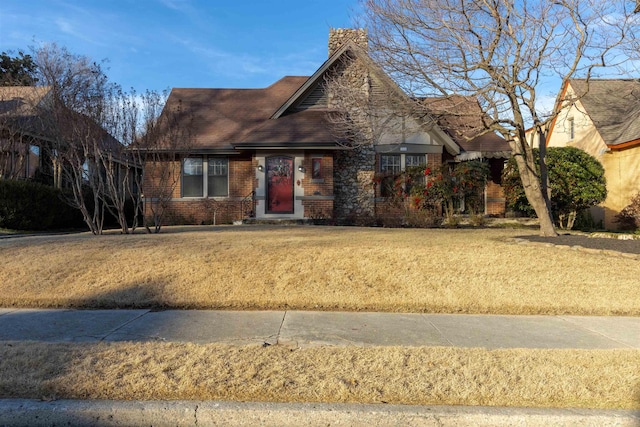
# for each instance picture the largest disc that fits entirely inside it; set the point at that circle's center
(317, 98)
(572, 129)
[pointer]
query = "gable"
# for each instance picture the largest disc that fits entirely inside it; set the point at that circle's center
(614, 108)
(312, 96)
(316, 98)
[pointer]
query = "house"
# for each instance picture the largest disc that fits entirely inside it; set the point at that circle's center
(21, 132)
(277, 152)
(602, 117)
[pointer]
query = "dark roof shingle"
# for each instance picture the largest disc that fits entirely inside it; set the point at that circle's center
(613, 105)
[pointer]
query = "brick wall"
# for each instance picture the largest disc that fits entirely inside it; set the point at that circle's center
(201, 210)
(317, 191)
(494, 194)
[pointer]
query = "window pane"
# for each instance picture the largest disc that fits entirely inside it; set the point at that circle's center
(415, 160)
(390, 164)
(217, 166)
(316, 168)
(192, 178)
(217, 177)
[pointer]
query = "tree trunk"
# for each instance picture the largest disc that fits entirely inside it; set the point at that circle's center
(533, 191)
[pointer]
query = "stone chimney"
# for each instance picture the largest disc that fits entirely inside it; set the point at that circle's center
(339, 36)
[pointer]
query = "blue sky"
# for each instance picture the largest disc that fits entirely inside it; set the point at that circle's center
(159, 44)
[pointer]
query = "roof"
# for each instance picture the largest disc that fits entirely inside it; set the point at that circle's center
(21, 100)
(231, 119)
(354, 50)
(613, 105)
(223, 118)
(461, 117)
(25, 109)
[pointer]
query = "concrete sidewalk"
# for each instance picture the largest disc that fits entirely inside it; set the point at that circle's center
(307, 328)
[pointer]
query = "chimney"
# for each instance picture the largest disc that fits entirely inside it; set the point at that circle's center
(340, 36)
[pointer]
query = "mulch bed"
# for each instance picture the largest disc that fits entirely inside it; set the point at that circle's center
(626, 246)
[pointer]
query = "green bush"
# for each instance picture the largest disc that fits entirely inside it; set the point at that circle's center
(576, 179)
(26, 205)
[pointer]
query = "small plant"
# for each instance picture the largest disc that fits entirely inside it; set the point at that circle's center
(477, 220)
(451, 221)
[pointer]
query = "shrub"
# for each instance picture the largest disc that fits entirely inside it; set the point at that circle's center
(576, 179)
(26, 205)
(629, 217)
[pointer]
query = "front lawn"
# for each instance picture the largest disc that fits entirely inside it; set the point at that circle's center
(316, 268)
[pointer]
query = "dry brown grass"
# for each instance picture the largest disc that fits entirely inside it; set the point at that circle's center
(425, 376)
(319, 268)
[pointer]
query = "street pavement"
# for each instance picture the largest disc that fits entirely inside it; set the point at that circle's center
(303, 329)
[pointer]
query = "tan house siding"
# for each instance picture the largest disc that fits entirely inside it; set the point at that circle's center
(622, 167)
(622, 171)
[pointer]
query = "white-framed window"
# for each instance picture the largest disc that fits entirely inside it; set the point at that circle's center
(396, 163)
(215, 183)
(390, 164)
(413, 160)
(217, 177)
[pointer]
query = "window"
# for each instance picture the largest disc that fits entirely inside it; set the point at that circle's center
(214, 184)
(316, 168)
(572, 129)
(192, 178)
(411, 160)
(390, 164)
(217, 177)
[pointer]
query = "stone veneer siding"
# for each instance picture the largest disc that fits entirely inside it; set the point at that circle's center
(354, 189)
(339, 36)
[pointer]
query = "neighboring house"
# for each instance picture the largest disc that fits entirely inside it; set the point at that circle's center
(602, 117)
(276, 149)
(39, 136)
(22, 135)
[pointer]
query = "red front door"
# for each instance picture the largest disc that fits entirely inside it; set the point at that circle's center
(280, 185)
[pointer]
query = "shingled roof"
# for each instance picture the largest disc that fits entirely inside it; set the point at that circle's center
(227, 118)
(461, 118)
(613, 105)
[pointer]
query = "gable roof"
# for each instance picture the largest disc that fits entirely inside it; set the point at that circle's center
(614, 107)
(317, 79)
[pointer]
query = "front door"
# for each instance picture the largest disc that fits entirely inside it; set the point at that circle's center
(279, 185)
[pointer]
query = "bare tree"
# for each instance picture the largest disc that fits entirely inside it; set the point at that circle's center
(71, 119)
(366, 109)
(163, 140)
(504, 53)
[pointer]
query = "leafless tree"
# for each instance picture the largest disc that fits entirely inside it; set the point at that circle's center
(71, 118)
(505, 53)
(164, 139)
(366, 108)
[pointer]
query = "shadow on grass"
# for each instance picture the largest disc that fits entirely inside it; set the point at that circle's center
(596, 243)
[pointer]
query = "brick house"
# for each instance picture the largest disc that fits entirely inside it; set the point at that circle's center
(274, 153)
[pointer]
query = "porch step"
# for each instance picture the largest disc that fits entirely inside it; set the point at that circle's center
(276, 221)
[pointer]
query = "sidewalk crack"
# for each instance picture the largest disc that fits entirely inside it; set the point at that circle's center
(425, 317)
(123, 325)
(284, 316)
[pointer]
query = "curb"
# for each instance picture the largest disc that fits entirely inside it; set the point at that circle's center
(19, 412)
